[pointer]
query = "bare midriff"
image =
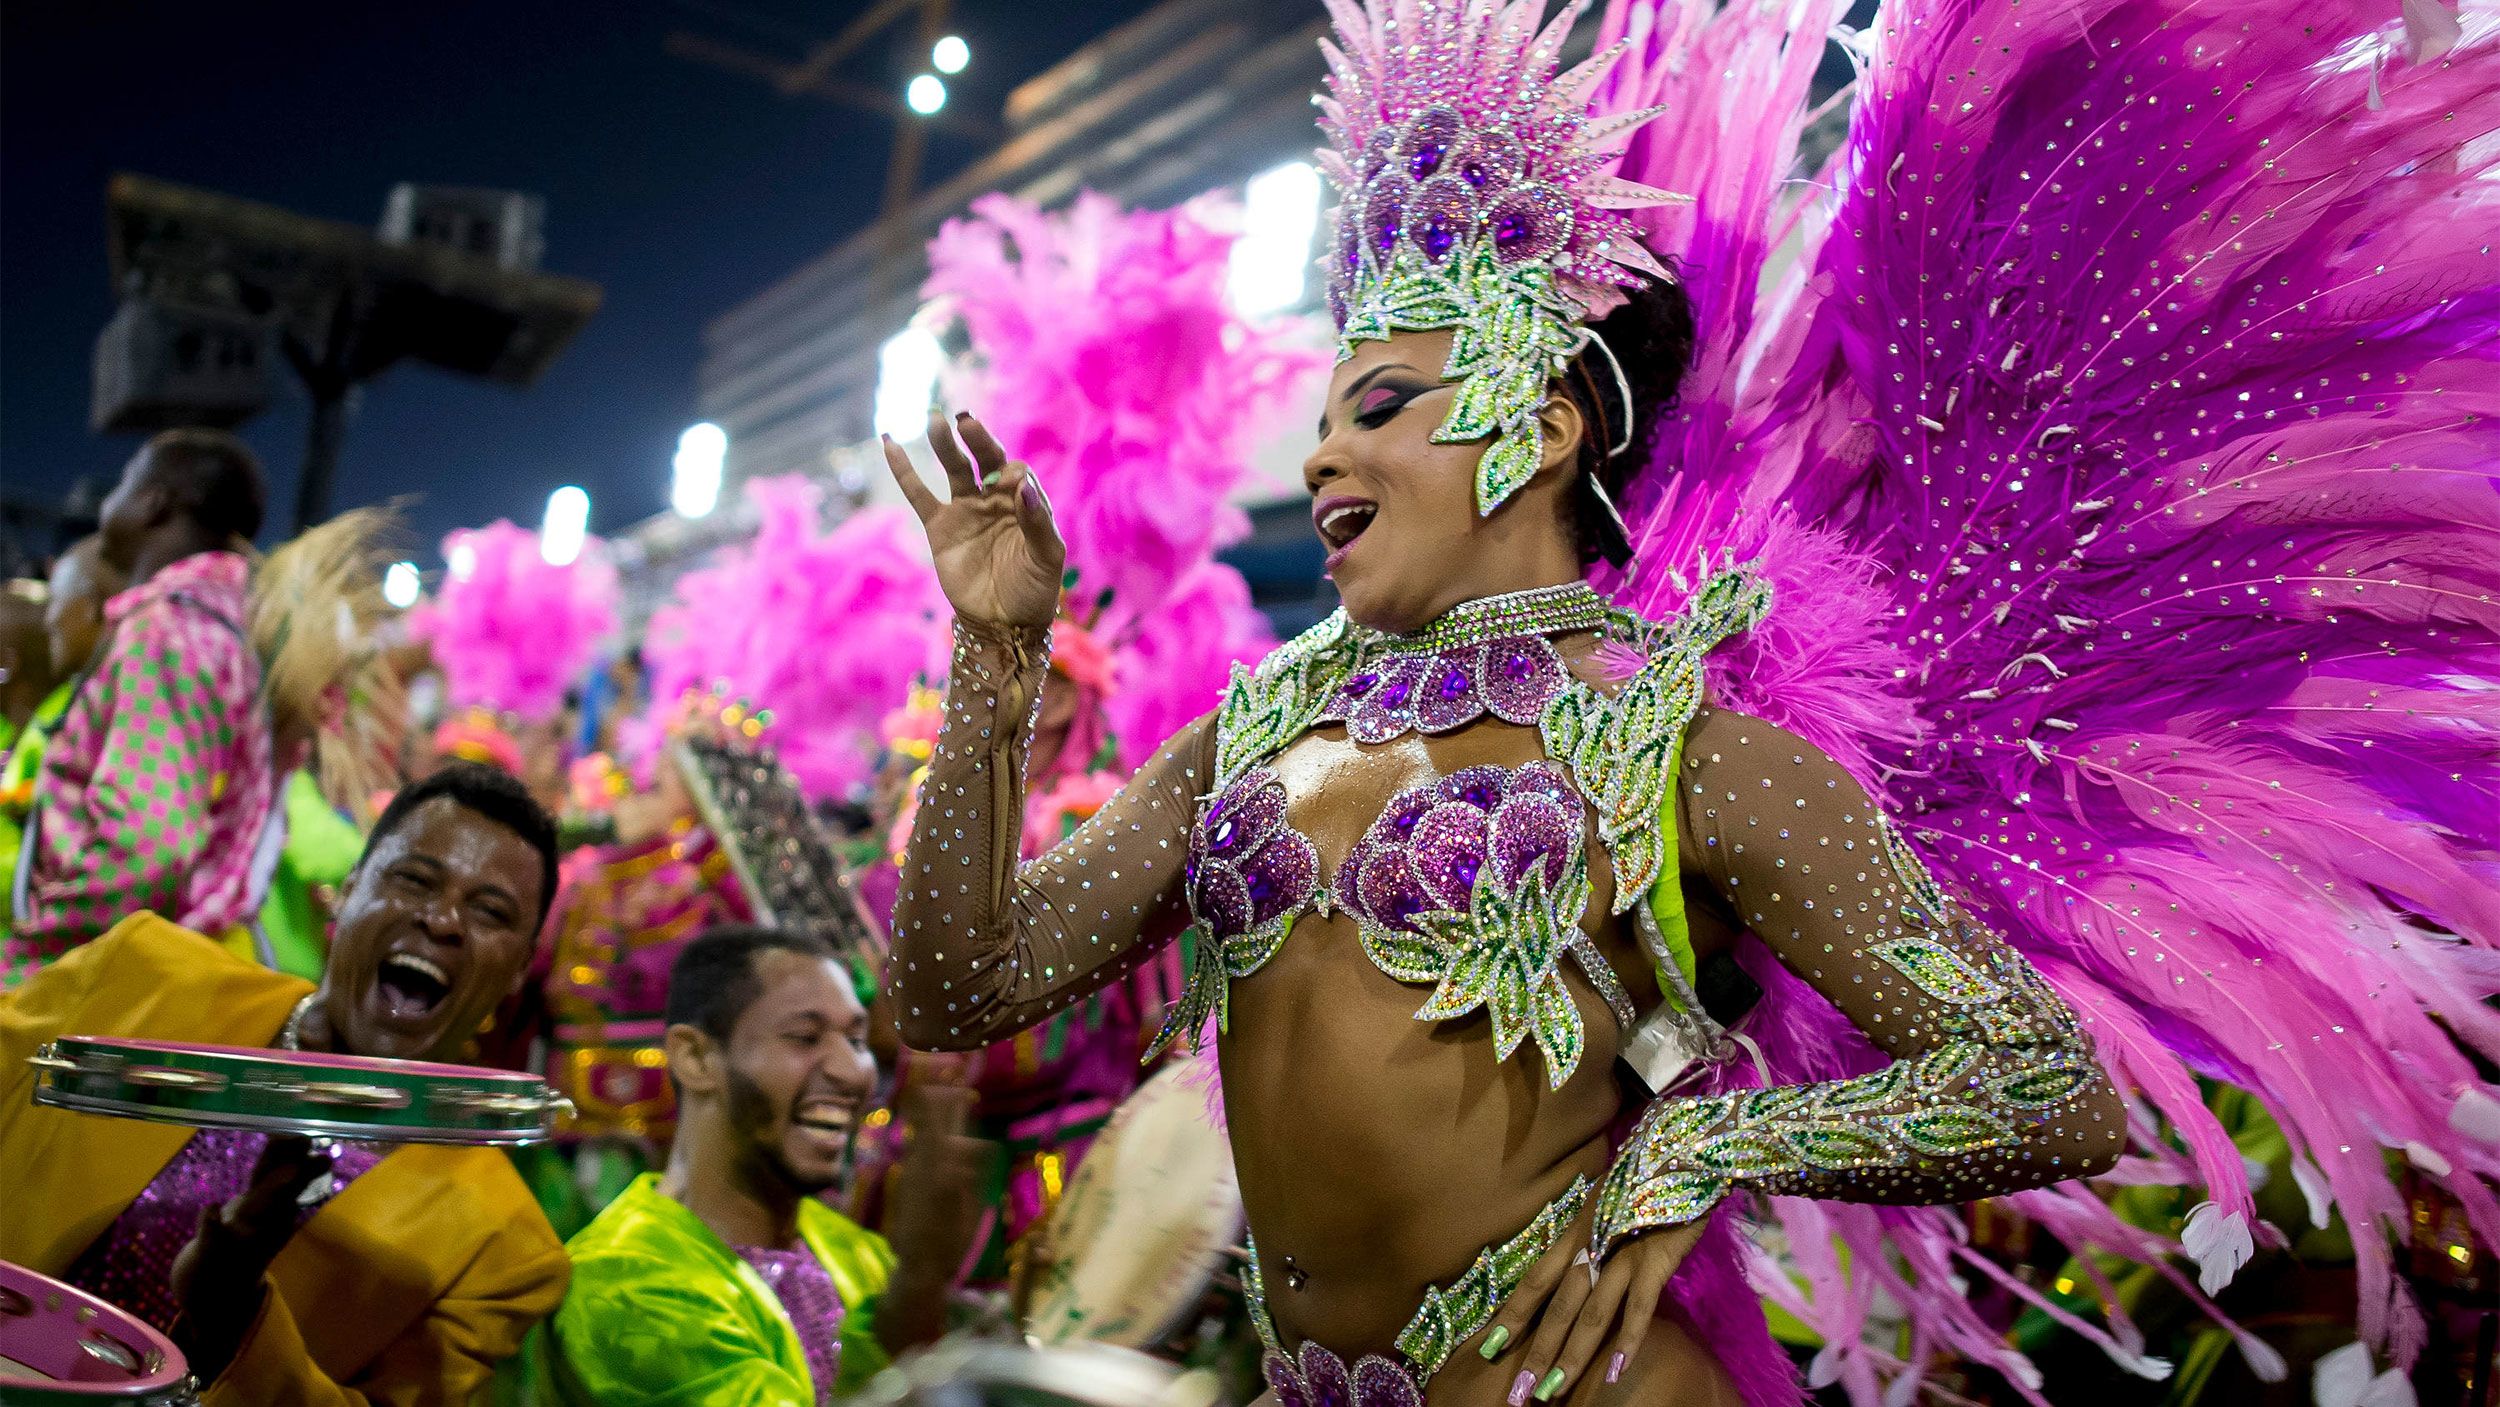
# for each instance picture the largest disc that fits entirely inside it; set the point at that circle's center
(1378, 1152)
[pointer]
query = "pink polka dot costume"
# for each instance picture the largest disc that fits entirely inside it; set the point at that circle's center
(157, 788)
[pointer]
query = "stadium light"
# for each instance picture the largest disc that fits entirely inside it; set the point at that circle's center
(926, 94)
(695, 474)
(561, 532)
(400, 585)
(907, 372)
(1280, 213)
(950, 55)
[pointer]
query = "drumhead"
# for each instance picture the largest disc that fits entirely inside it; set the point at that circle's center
(60, 1345)
(1144, 1224)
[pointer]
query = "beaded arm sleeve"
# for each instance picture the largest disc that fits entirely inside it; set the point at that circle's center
(1992, 1086)
(983, 947)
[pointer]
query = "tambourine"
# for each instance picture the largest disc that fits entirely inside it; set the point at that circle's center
(60, 1346)
(293, 1092)
(1144, 1227)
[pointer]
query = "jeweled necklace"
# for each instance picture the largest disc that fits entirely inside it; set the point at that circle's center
(1537, 611)
(1490, 655)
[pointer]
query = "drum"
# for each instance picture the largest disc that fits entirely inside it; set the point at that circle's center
(293, 1092)
(61, 1346)
(1146, 1223)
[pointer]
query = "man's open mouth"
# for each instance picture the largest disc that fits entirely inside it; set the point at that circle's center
(411, 987)
(829, 1117)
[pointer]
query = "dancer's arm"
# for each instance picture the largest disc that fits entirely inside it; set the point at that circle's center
(982, 947)
(1992, 1086)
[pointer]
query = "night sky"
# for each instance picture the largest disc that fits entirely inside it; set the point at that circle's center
(681, 189)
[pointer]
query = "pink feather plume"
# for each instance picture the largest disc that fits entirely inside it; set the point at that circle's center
(509, 631)
(825, 629)
(1106, 354)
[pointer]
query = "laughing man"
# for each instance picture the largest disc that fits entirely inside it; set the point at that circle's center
(420, 1266)
(723, 1281)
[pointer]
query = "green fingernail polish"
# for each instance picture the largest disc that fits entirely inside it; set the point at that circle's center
(1495, 1342)
(1548, 1385)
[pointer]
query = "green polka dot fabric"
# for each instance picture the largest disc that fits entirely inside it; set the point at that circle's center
(155, 790)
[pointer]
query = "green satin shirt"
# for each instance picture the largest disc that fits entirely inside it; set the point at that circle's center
(662, 1313)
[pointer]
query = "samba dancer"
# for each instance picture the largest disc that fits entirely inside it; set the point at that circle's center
(724, 1280)
(160, 779)
(2100, 583)
(421, 1266)
(1381, 820)
(1378, 1235)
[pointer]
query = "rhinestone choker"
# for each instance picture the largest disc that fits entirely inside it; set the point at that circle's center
(1538, 611)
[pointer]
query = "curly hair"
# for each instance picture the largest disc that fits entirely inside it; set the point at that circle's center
(1652, 339)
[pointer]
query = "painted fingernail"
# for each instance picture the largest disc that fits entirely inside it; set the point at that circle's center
(1031, 493)
(1519, 1388)
(1614, 1366)
(1494, 1342)
(1548, 1385)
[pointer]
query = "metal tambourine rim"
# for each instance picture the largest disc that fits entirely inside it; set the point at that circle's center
(32, 1392)
(311, 1128)
(543, 1108)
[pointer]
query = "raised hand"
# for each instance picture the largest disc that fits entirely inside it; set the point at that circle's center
(998, 555)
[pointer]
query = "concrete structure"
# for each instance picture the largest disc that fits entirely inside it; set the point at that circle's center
(1192, 96)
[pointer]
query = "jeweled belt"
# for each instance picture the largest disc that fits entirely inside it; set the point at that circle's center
(1449, 1317)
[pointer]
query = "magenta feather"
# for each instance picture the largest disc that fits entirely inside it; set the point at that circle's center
(1106, 354)
(826, 629)
(509, 631)
(2121, 445)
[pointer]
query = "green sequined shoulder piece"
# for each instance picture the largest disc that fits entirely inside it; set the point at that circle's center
(1621, 749)
(1271, 704)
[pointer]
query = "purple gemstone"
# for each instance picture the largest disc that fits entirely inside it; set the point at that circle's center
(1448, 850)
(1381, 1383)
(1532, 831)
(1527, 676)
(1428, 139)
(1221, 837)
(1284, 1380)
(1390, 894)
(1361, 684)
(1395, 695)
(1480, 786)
(1324, 1374)
(1441, 213)
(1491, 160)
(1455, 683)
(1530, 223)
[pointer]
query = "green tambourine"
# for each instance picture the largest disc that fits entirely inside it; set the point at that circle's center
(294, 1092)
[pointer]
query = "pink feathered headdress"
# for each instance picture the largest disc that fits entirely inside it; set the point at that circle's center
(1107, 355)
(510, 631)
(825, 630)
